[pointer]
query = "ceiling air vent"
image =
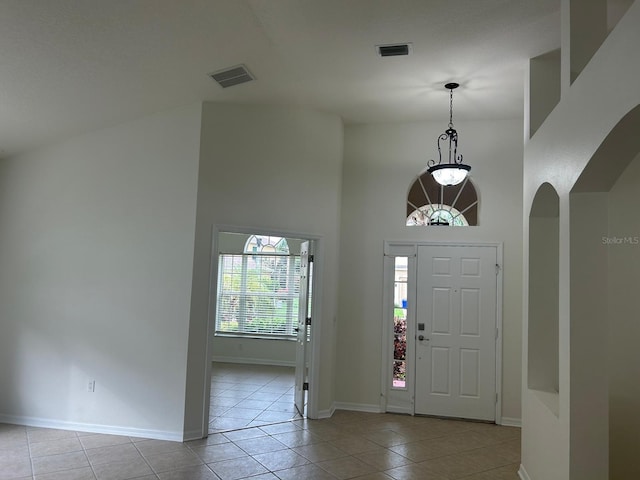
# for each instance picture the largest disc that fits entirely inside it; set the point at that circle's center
(232, 76)
(394, 50)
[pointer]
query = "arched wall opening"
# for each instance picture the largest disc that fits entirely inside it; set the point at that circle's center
(543, 329)
(605, 330)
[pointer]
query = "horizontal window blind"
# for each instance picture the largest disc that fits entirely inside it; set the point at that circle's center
(258, 294)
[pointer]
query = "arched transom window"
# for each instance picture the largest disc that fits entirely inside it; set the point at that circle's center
(429, 203)
(266, 244)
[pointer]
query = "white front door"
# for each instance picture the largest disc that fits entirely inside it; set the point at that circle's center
(455, 372)
(304, 316)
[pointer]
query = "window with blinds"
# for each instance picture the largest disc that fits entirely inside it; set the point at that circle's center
(258, 294)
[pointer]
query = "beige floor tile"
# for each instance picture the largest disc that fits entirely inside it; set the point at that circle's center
(326, 431)
(255, 446)
(275, 416)
(427, 449)
(122, 470)
(245, 413)
(457, 466)
(47, 434)
(346, 467)
(95, 441)
(163, 462)
(53, 447)
(15, 468)
(386, 438)
(221, 424)
(154, 447)
(284, 427)
(462, 442)
(298, 438)
(237, 468)
(510, 450)
(12, 436)
(200, 472)
(373, 476)
(508, 472)
(212, 439)
(224, 401)
(245, 433)
(113, 453)
(319, 452)
(19, 452)
(306, 472)
(498, 432)
(217, 453)
(281, 460)
(257, 404)
(383, 460)
(57, 463)
(353, 444)
(84, 473)
(414, 471)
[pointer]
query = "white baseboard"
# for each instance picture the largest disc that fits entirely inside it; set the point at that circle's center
(92, 428)
(327, 413)
(357, 407)
(192, 435)
(253, 361)
(511, 422)
(522, 473)
(401, 410)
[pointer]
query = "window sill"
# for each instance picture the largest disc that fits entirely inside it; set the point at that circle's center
(256, 337)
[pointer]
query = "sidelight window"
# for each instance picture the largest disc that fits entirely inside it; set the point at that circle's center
(400, 323)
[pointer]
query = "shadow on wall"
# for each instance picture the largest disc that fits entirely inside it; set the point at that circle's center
(605, 332)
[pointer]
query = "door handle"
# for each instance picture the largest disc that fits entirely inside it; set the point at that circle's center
(422, 337)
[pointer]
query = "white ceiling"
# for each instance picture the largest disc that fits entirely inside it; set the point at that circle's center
(71, 66)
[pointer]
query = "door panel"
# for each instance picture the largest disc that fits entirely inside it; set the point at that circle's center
(301, 375)
(470, 311)
(440, 371)
(469, 372)
(456, 356)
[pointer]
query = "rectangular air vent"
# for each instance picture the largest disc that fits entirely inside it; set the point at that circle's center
(232, 76)
(394, 50)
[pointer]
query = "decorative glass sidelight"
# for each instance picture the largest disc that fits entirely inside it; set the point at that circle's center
(400, 323)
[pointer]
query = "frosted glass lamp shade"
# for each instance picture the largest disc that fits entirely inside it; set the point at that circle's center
(449, 173)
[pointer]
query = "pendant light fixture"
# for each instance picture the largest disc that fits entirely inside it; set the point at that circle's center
(453, 171)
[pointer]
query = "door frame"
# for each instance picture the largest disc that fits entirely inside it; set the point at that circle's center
(407, 248)
(317, 242)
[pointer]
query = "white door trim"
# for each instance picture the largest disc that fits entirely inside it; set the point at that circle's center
(406, 248)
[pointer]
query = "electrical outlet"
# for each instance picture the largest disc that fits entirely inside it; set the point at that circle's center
(91, 386)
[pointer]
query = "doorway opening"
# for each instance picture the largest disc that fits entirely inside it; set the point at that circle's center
(260, 334)
(442, 330)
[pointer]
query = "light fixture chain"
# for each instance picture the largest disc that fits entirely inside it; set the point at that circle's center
(451, 108)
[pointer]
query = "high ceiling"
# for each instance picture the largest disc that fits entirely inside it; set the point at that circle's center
(72, 66)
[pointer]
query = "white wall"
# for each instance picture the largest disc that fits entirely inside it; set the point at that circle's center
(381, 163)
(96, 246)
(624, 324)
(589, 336)
(559, 151)
(269, 169)
(543, 304)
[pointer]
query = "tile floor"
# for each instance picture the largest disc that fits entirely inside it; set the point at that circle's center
(250, 395)
(349, 445)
